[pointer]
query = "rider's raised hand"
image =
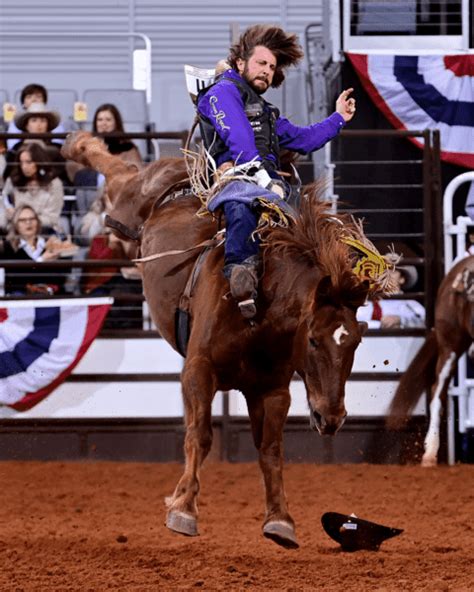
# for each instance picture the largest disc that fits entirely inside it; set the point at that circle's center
(346, 106)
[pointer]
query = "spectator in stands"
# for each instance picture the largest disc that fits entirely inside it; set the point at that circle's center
(395, 313)
(32, 93)
(3, 161)
(123, 282)
(24, 242)
(33, 182)
(92, 223)
(107, 119)
(38, 120)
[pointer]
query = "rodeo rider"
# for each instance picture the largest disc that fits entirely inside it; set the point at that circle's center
(238, 126)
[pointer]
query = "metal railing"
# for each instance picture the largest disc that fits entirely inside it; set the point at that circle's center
(406, 210)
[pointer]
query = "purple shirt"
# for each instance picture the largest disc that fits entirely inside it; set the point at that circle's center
(224, 107)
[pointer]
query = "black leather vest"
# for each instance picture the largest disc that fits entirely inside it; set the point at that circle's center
(262, 117)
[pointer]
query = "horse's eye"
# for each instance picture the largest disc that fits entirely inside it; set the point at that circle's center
(313, 342)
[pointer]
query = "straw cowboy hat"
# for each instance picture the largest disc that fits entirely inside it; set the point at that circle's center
(37, 110)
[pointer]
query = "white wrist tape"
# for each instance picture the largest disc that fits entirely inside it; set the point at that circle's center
(263, 178)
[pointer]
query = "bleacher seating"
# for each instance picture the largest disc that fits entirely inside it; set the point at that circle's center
(4, 96)
(131, 104)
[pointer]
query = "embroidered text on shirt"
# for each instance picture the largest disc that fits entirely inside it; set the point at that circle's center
(219, 115)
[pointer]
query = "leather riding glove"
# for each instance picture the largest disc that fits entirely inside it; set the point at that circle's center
(264, 180)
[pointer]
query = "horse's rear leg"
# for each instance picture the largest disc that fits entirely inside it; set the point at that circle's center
(444, 373)
(198, 391)
(268, 415)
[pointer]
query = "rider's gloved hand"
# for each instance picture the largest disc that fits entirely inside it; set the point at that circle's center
(279, 188)
(264, 180)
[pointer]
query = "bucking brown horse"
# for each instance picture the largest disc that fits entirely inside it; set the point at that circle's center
(306, 320)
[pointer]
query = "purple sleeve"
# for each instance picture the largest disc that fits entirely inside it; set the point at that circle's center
(309, 138)
(224, 108)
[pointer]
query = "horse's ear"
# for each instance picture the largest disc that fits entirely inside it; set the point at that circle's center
(324, 290)
(358, 295)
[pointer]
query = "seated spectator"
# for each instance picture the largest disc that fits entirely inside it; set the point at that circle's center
(92, 223)
(32, 183)
(393, 313)
(107, 119)
(124, 283)
(25, 243)
(32, 93)
(38, 120)
(3, 161)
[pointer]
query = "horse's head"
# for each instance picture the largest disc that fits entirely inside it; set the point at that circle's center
(322, 256)
(328, 338)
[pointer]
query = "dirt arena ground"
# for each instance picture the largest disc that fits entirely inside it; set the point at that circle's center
(95, 527)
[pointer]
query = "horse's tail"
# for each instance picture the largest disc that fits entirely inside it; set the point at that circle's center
(419, 375)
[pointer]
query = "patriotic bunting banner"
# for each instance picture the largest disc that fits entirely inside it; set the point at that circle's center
(41, 342)
(425, 92)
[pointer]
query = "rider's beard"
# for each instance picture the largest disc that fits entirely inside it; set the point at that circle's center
(251, 81)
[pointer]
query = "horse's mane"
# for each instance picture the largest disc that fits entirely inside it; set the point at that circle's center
(315, 239)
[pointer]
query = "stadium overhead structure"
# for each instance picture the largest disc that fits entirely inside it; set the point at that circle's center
(140, 62)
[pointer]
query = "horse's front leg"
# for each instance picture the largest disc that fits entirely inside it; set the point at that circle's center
(444, 372)
(268, 413)
(198, 387)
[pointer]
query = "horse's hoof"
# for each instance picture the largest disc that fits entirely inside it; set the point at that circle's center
(182, 523)
(282, 533)
(428, 463)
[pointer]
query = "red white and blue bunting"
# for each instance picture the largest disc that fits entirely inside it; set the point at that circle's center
(41, 342)
(425, 92)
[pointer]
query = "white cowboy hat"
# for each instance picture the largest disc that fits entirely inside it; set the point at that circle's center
(410, 273)
(37, 110)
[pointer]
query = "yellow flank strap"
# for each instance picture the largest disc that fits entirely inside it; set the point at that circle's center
(371, 264)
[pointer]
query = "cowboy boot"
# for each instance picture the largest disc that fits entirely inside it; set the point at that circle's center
(243, 286)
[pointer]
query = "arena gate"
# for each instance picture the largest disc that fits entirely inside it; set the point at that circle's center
(461, 390)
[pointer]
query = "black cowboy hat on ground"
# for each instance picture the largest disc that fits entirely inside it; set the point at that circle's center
(355, 534)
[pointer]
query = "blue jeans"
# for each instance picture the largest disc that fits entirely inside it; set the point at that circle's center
(241, 221)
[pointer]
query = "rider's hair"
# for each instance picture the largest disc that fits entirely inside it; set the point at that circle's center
(284, 46)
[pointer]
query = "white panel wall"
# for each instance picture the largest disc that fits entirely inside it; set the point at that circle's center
(363, 399)
(118, 398)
